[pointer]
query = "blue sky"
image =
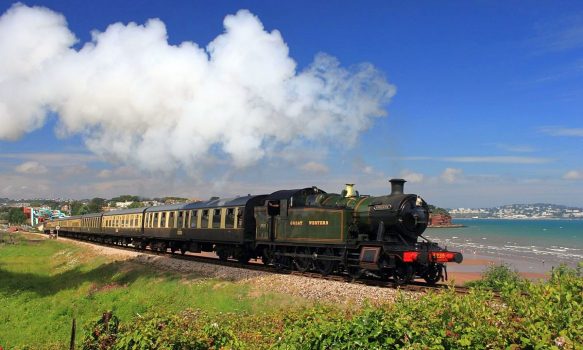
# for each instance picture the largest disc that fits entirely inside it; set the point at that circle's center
(487, 110)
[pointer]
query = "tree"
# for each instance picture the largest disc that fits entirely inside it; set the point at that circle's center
(95, 205)
(78, 208)
(16, 216)
(135, 205)
(437, 210)
(125, 198)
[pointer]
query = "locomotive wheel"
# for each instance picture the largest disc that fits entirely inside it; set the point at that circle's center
(303, 264)
(432, 274)
(403, 274)
(182, 250)
(173, 249)
(325, 267)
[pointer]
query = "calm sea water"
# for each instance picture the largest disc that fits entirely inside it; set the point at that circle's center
(545, 241)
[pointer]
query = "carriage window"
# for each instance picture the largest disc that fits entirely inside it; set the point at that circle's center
(171, 222)
(240, 217)
(155, 222)
(230, 219)
(216, 218)
(163, 220)
(193, 218)
(205, 219)
(180, 223)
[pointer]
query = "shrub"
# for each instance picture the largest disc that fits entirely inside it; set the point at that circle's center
(498, 277)
(523, 315)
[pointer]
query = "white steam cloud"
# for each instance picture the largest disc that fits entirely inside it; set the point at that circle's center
(138, 100)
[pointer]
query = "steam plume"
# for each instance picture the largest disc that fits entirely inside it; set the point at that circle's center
(139, 100)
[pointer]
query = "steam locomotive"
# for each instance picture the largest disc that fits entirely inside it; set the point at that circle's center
(304, 229)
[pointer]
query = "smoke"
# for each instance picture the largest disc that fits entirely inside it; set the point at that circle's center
(138, 100)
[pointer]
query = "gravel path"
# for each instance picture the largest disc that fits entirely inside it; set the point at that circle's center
(260, 282)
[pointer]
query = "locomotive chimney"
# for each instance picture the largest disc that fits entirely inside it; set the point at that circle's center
(397, 186)
(349, 190)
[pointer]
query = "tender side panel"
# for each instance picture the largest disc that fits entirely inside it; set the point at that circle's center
(312, 225)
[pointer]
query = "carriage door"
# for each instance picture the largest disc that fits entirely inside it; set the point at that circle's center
(273, 210)
(277, 211)
(262, 223)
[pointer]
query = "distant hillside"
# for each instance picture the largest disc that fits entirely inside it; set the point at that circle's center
(521, 211)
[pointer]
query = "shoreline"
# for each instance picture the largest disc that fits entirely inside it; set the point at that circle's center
(474, 265)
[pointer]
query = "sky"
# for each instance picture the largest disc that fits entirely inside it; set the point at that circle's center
(475, 104)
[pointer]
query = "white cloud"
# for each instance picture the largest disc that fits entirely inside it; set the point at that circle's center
(484, 159)
(498, 159)
(573, 175)
(369, 170)
(411, 176)
(451, 175)
(138, 100)
(560, 131)
(31, 168)
(104, 174)
(515, 148)
(314, 167)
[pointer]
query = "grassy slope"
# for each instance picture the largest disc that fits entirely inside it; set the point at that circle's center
(44, 284)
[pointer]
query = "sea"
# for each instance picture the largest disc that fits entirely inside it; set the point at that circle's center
(529, 245)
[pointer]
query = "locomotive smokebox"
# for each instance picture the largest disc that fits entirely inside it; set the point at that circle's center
(397, 186)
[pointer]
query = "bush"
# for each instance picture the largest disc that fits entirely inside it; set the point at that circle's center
(523, 315)
(546, 315)
(188, 330)
(498, 277)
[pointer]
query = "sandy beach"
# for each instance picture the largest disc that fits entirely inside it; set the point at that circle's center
(473, 265)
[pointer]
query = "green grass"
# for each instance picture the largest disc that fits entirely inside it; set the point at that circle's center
(45, 283)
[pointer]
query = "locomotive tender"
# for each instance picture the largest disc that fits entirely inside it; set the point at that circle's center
(305, 229)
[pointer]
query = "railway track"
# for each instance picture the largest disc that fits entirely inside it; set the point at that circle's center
(258, 266)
